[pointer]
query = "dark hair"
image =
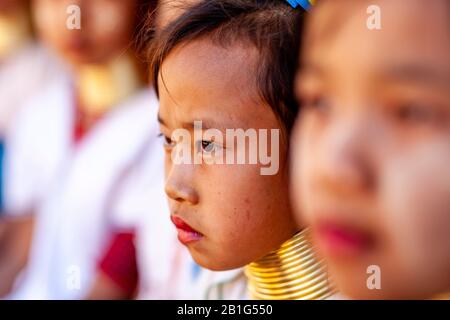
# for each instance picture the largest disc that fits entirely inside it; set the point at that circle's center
(272, 26)
(144, 8)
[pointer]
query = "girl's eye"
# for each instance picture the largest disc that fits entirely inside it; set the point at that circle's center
(207, 146)
(167, 142)
(414, 113)
(317, 102)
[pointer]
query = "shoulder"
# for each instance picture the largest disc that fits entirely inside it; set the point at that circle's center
(133, 117)
(224, 285)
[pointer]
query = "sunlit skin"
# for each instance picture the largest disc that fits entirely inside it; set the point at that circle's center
(240, 214)
(372, 146)
(106, 30)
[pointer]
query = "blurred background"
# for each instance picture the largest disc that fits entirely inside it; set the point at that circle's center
(77, 122)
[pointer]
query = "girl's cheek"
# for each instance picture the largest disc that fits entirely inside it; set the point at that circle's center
(415, 193)
(306, 162)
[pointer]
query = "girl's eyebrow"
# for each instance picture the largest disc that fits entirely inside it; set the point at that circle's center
(310, 67)
(402, 72)
(418, 73)
(161, 121)
(205, 124)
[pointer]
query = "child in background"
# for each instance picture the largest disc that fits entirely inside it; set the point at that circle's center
(25, 68)
(231, 65)
(372, 145)
(71, 146)
(15, 35)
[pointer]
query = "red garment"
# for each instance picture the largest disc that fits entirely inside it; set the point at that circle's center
(81, 125)
(78, 129)
(120, 263)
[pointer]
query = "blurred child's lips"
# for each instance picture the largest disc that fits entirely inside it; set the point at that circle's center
(186, 234)
(341, 240)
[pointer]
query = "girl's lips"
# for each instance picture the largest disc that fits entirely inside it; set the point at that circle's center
(341, 240)
(186, 234)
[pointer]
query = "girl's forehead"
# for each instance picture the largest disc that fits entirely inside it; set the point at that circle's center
(401, 39)
(205, 81)
(328, 18)
(201, 70)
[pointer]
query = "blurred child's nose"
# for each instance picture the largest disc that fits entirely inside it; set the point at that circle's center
(346, 164)
(179, 186)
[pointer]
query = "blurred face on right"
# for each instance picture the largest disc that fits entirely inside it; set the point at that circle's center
(372, 145)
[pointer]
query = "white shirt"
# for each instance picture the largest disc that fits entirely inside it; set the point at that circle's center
(21, 77)
(73, 215)
(38, 142)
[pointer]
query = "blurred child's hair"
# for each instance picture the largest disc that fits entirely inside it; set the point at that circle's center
(272, 26)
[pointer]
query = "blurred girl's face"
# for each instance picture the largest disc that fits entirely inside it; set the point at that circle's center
(227, 215)
(372, 147)
(107, 28)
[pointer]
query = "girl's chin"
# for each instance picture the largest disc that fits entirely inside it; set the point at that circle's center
(218, 264)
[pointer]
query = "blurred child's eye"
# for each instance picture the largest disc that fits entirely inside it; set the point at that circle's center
(316, 102)
(414, 113)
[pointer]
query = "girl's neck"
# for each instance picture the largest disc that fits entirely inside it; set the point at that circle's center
(101, 87)
(290, 273)
(15, 31)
